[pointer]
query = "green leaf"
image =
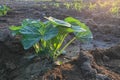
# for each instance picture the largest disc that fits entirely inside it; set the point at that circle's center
(31, 22)
(31, 36)
(62, 25)
(3, 10)
(58, 22)
(77, 29)
(50, 32)
(82, 32)
(1, 14)
(29, 41)
(15, 29)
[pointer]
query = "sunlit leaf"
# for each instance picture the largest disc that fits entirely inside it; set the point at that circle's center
(83, 33)
(58, 22)
(15, 29)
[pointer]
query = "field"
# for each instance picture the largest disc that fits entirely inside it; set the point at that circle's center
(96, 60)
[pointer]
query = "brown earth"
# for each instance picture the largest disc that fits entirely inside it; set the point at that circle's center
(98, 60)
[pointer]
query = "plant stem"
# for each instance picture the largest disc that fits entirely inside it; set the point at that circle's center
(37, 47)
(68, 44)
(61, 42)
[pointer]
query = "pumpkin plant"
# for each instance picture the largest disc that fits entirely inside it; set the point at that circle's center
(3, 10)
(47, 37)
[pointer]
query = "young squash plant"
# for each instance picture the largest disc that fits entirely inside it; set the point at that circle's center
(3, 10)
(47, 37)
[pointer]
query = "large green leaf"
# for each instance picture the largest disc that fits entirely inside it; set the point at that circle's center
(82, 32)
(31, 36)
(49, 32)
(29, 41)
(31, 22)
(58, 22)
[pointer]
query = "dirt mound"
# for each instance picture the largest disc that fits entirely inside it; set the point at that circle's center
(91, 65)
